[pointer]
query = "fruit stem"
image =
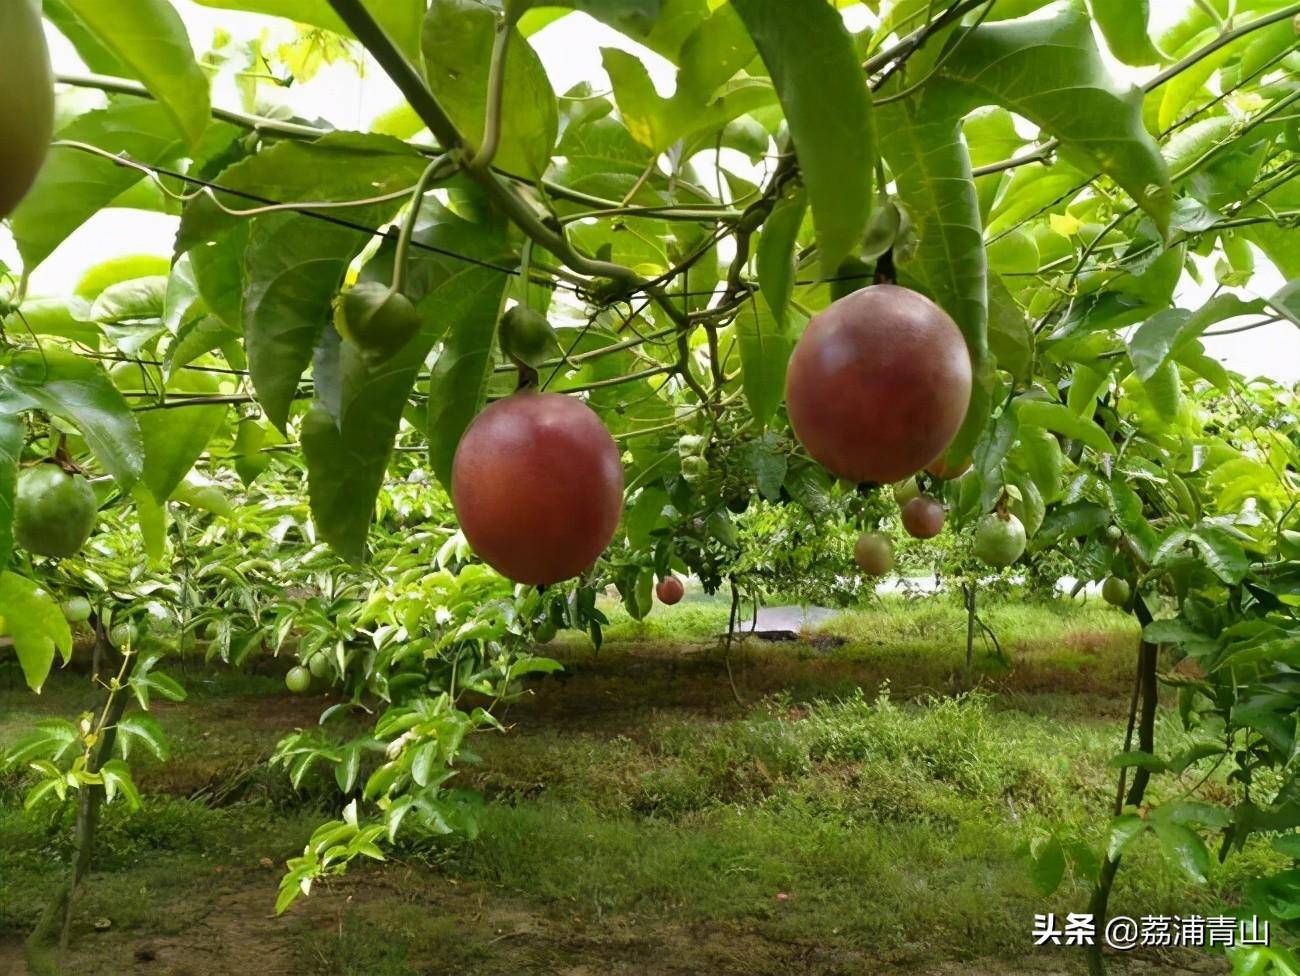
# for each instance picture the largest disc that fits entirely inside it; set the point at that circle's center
(437, 169)
(496, 87)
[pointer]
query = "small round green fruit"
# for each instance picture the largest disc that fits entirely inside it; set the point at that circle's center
(905, 491)
(320, 665)
(1116, 591)
(874, 553)
(298, 680)
(54, 511)
(544, 632)
(124, 634)
(375, 319)
(999, 539)
(76, 609)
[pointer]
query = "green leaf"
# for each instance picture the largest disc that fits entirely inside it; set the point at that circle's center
(174, 437)
(457, 45)
(932, 170)
(1047, 866)
(776, 253)
(149, 37)
(78, 391)
(1124, 25)
(145, 730)
(1048, 70)
(1059, 417)
(37, 625)
(1222, 553)
(1186, 846)
(294, 266)
(338, 167)
(347, 460)
(153, 523)
(1126, 506)
(399, 18)
(117, 779)
(823, 91)
(1124, 829)
(73, 186)
(12, 433)
(764, 354)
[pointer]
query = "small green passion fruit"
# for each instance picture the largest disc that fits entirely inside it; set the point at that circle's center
(999, 539)
(544, 632)
(124, 635)
(376, 319)
(319, 665)
(1116, 591)
(526, 336)
(298, 680)
(54, 511)
(874, 553)
(76, 609)
(905, 491)
(26, 100)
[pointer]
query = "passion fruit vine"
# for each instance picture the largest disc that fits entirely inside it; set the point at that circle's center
(878, 384)
(26, 101)
(54, 511)
(537, 484)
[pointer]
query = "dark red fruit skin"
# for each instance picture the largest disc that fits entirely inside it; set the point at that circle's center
(537, 484)
(923, 517)
(878, 384)
(670, 590)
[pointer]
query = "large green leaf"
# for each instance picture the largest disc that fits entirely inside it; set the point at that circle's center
(73, 186)
(12, 431)
(764, 354)
(294, 266)
(347, 459)
(776, 252)
(636, 18)
(148, 36)
(1060, 418)
(1049, 71)
(1124, 25)
(659, 122)
(36, 624)
(175, 436)
(78, 391)
(457, 44)
(399, 18)
(822, 89)
(338, 167)
(932, 171)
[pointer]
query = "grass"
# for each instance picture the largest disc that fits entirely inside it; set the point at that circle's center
(858, 810)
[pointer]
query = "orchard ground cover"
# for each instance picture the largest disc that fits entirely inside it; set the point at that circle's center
(639, 820)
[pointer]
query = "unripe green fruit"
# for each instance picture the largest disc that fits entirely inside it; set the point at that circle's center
(124, 635)
(1113, 533)
(298, 680)
(319, 665)
(689, 445)
(375, 319)
(905, 491)
(525, 335)
(694, 468)
(999, 540)
(544, 632)
(54, 512)
(76, 609)
(1116, 591)
(26, 100)
(874, 553)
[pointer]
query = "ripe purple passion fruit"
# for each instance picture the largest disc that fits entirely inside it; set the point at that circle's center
(878, 384)
(537, 484)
